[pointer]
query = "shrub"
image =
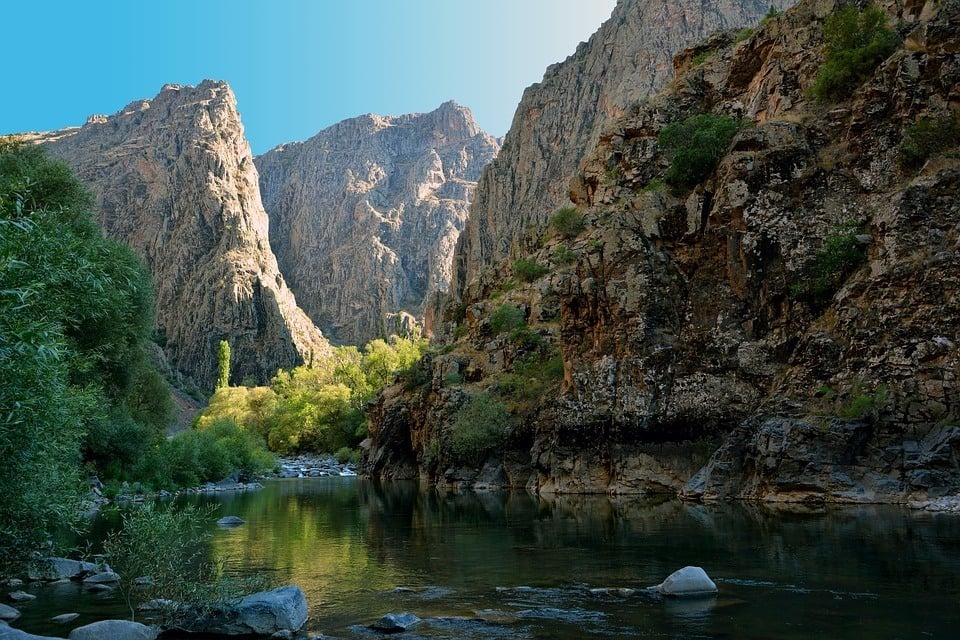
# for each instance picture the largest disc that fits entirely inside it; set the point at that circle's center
(568, 222)
(856, 42)
(840, 256)
(562, 255)
(696, 144)
(701, 57)
(506, 318)
(528, 270)
(928, 136)
(480, 428)
(346, 454)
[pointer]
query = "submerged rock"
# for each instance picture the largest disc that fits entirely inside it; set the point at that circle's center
(114, 630)
(21, 596)
(687, 582)
(230, 521)
(64, 618)
(395, 622)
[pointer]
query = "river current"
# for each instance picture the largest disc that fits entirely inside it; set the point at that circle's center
(516, 566)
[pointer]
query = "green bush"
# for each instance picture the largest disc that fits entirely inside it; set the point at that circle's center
(696, 146)
(568, 222)
(563, 255)
(928, 136)
(346, 454)
(506, 318)
(479, 430)
(840, 256)
(528, 270)
(856, 42)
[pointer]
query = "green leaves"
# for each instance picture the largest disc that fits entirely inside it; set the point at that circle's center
(696, 145)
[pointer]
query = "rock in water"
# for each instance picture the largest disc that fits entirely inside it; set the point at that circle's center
(21, 596)
(230, 521)
(262, 613)
(59, 569)
(687, 582)
(103, 577)
(395, 622)
(9, 633)
(64, 618)
(114, 630)
(8, 613)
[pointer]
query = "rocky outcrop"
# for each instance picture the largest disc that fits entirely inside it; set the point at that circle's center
(785, 329)
(365, 215)
(559, 120)
(174, 178)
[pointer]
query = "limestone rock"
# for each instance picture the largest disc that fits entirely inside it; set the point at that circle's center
(687, 583)
(364, 216)
(115, 630)
(174, 178)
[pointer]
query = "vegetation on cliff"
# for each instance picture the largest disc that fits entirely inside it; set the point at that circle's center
(76, 385)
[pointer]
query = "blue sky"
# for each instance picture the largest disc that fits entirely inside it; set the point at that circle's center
(296, 66)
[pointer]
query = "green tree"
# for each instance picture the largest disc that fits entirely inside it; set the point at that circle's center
(223, 365)
(696, 145)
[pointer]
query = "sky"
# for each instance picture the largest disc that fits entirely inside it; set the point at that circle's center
(296, 66)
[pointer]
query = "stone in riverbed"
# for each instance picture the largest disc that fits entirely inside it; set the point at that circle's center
(64, 618)
(114, 630)
(20, 596)
(686, 583)
(8, 613)
(59, 568)
(230, 521)
(395, 622)
(9, 633)
(261, 614)
(102, 578)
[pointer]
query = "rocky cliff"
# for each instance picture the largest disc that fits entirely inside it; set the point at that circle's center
(174, 178)
(365, 215)
(784, 327)
(559, 121)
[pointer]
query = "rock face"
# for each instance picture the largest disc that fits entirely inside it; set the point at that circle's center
(174, 178)
(680, 342)
(364, 216)
(559, 120)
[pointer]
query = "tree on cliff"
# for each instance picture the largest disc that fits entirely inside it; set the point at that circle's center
(74, 317)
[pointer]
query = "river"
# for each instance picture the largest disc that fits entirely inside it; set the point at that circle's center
(512, 565)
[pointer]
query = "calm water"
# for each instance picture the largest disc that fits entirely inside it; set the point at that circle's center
(528, 565)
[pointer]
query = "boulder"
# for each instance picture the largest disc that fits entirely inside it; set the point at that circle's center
(687, 582)
(21, 596)
(395, 622)
(64, 618)
(114, 630)
(262, 614)
(8, 613)
(230, 521)
(9, 633)
(102, 578)
(60, 568)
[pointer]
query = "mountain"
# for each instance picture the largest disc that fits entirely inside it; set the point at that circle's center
(559, 120)
(364, 216)
(174, 178)
(780, 323)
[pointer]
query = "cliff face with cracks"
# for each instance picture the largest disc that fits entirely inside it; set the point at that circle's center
(675, 345)
(365, 215)
(174, 178)
(559, 120)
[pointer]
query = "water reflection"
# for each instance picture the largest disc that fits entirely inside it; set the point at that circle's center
(512, 565)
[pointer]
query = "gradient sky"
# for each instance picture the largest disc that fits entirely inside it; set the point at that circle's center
(296, 66)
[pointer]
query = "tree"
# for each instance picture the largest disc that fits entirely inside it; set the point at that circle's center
(223, 362)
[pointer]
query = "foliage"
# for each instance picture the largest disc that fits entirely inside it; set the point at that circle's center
(318, 407)
(528, 270)
(928, 136)
(223, 364)
(75, 312)
(346, 454)
(479, 429)
(506, 317)
(167, 545)
(563, 255)
(568, 222)
(840, 256)
(743, 34)
(696, 145)
(856, 42)
(701, 57)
